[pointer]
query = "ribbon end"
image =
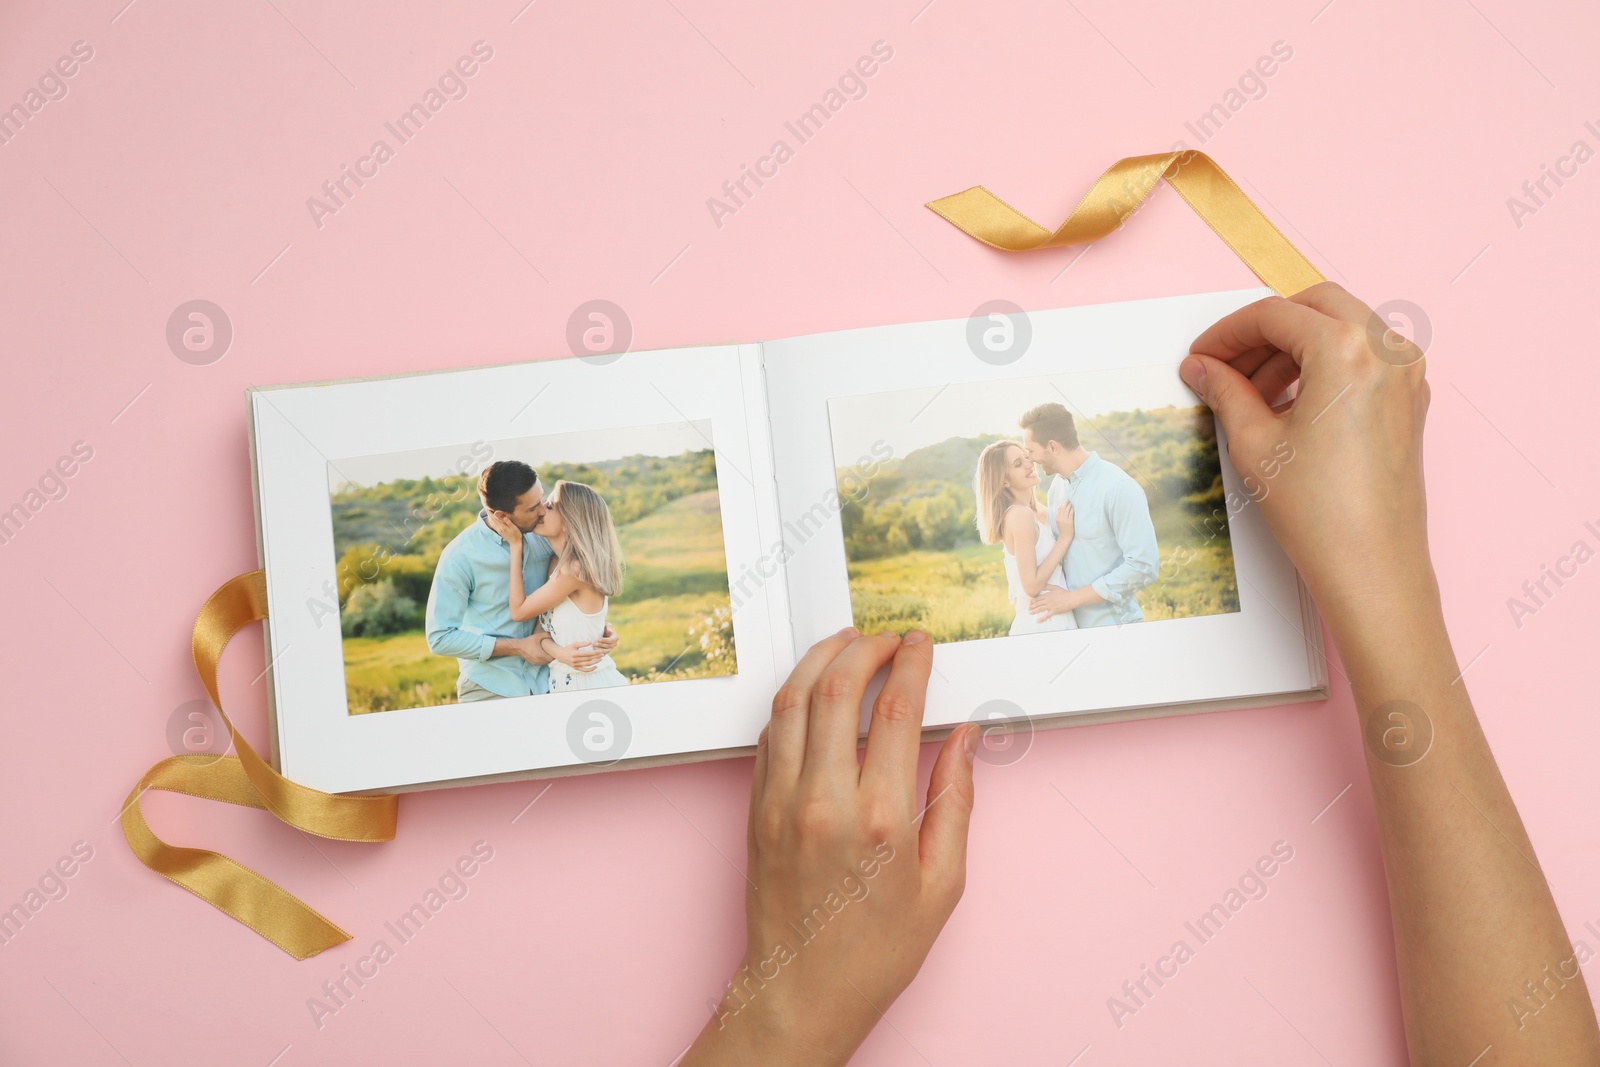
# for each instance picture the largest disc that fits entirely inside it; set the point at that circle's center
(980, 214)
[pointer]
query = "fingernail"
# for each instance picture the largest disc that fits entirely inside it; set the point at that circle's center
(849, 633)
(915, 637)
(1193, 373)
(970, 746)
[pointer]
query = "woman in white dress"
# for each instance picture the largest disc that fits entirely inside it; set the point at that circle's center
(1009, 514)
(585, 573)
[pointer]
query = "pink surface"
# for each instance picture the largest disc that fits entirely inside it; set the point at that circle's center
(577, 167)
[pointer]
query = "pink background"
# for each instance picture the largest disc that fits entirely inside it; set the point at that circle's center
(578, 167)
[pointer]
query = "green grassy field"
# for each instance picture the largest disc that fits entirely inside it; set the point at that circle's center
(960, 594)
(675, 584)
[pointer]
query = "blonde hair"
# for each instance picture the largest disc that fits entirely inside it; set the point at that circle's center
(591, 537)
(989, 486)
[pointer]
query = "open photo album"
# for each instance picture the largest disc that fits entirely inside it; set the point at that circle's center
(614, 560)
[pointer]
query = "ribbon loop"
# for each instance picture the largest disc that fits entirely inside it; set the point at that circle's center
(248, 780)
(1118, 192)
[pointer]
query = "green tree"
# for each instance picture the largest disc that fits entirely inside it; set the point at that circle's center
(378, 609)
(939, 520)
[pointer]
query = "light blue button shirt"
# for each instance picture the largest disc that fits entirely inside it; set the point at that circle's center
(1113, 543)
(470, 605)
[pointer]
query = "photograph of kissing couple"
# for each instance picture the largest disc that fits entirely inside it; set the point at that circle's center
(1033, 506)
(543, 565)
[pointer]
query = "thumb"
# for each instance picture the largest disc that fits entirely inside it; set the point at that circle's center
(1239, 405)
(943, 844)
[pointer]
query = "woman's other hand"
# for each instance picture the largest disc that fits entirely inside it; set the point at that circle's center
(1065, 520)
(847, 892)
(1337, 471)
(501, 524)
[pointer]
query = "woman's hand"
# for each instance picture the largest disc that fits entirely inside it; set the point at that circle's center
(583, 658)
(1064, 521)
(846, 893)
(501, 524)
(1337, 472)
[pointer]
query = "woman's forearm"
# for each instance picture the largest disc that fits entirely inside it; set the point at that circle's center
(1055, 557)
(1487, 973)
(1022, 542)
(1032, 581)
(555, 589)
(525, 606)
(515, 588)
(1483, 958)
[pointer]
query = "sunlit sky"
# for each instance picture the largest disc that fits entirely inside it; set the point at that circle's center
(915, 418)
(584, 446)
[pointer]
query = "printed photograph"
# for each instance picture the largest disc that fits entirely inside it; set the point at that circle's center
(1032, 506)
(619, 575)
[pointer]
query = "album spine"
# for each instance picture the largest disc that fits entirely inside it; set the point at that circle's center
(274, 754)
(782, 619)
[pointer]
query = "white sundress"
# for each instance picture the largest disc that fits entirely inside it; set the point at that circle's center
(1024, 623)
(567, 624)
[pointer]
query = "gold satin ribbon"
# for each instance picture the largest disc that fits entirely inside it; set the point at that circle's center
(1119, 192)
(248, 780)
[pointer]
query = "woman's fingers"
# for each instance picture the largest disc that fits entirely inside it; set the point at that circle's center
(835, 724)
(1273, 376)
(1241, 401)
(1283, 324)
(895, 735)
(1230, 396)
(758, 776)
(943, 841)
(1250, 361)
(758, 786)
(791, 708)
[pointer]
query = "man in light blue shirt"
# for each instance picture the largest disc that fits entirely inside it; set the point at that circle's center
(1113, 553)
(469, 606)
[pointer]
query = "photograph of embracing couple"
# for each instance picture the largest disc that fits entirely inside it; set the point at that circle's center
(542, 565)
(1081, 557)
(531, 620)
(1005, 512)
